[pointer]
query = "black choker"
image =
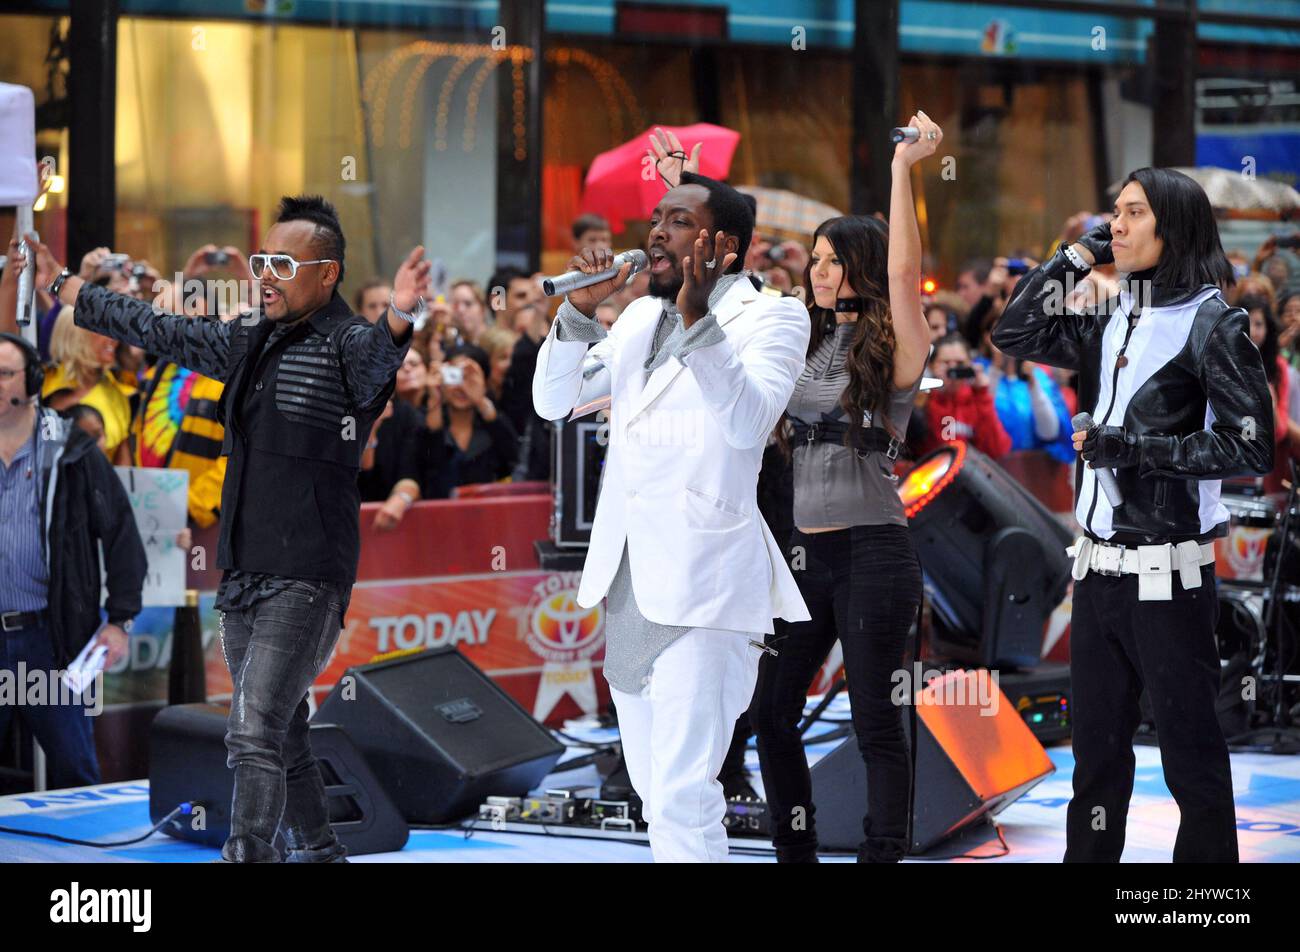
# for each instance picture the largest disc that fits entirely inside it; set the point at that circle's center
(850, 305)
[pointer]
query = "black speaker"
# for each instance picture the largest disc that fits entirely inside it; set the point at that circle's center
(439, 734)
(973, 760)
(187, 763)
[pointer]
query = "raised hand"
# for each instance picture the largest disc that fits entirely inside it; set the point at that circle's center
(412, 280)
(91, 261)
(197, 264)
(47, 266)
(663, 143)
(1096, 245)
(700, 272)
(592, 261)
(909, 153)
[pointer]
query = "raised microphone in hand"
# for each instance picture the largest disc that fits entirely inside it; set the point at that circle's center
(574, 279)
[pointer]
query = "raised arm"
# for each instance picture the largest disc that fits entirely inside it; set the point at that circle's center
(911, 332)
(200, 344)
(372, 353)
(567, 374)
(371, 356)
(1036, 325)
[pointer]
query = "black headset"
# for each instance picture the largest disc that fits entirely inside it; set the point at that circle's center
(35, 377)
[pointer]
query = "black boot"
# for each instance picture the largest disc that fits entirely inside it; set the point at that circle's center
(882, 849)
(248, 849)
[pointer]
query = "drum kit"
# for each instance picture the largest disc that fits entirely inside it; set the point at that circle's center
(1258, 569)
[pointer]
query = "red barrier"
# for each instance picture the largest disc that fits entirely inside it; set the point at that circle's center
(436, 537)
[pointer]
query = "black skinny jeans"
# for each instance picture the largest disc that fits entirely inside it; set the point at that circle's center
(275, 649)
(862, 586)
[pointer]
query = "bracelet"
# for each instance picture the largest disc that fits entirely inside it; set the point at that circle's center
(409, 316)
(1073, 257)
(57, 285)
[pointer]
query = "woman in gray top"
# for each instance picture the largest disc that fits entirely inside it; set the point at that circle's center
(851, 550)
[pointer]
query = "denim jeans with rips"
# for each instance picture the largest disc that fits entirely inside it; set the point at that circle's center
(275, 648)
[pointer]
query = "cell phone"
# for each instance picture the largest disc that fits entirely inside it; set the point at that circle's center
(452, 376)
(217, 258)
(961, 373)
(1093, 221)
(1288, 241)
(114, 262)
(1017, 266)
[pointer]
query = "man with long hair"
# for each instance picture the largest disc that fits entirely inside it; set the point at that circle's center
(1180, 401)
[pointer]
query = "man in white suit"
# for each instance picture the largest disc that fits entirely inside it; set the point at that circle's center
(698, 372)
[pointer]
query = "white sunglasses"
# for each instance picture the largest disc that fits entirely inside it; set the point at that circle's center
(283, 267)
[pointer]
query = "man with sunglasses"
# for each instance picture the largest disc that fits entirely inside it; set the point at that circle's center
(305, 380)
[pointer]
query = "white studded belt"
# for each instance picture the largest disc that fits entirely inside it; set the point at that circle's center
(1153, 564)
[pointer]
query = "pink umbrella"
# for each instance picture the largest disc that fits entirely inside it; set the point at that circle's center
(619, 189)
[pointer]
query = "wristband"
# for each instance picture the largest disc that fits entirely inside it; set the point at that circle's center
(57, 286)
(409, 316)
(1073, 257)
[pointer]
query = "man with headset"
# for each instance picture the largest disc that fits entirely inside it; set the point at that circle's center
(59, 500)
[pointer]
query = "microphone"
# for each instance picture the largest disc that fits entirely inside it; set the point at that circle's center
(1083, 421)
(904, 134)
(27, 276)
(572, 280)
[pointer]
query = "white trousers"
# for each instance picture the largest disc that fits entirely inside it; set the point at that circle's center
(675, 733)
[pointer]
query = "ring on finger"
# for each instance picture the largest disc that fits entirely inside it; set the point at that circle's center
(932, 135)
(711, 264)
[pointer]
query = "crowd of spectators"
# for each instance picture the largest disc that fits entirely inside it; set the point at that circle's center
(462, 408)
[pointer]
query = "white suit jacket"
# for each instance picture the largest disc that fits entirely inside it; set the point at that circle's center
(681, 470)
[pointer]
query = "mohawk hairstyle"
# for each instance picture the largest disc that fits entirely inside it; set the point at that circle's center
(328, 238)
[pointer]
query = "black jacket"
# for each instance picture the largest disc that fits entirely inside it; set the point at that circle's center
(90, 507)
(1193, 389)
(297, 412)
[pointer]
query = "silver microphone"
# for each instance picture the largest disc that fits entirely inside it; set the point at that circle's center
(1106, 477)
(572, 280)
(904, 134)
(27, 276)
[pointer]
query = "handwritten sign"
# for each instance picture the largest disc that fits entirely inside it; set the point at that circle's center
(159, 499)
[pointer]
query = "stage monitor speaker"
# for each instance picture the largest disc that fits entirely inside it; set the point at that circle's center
(187, 763)
(440, 734)
(975, 757)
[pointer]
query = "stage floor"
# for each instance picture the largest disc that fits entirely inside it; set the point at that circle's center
(1267, 790)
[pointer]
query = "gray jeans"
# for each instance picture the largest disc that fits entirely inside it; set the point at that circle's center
(275, 648)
